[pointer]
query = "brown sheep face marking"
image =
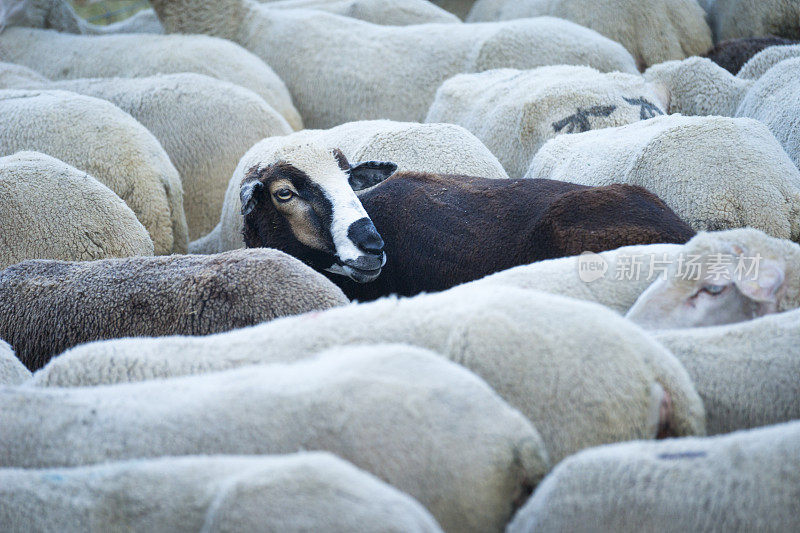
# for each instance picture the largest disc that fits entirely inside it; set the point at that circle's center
(305, 204)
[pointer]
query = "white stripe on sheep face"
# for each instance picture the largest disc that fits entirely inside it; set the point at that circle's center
(304, 203)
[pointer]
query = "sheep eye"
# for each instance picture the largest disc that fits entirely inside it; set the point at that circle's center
(284, 195)
(714, 290)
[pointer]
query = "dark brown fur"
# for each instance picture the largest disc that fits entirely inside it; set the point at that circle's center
(734, 53)
(441, 231)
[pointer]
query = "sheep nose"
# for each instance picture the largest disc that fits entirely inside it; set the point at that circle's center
(364, 235)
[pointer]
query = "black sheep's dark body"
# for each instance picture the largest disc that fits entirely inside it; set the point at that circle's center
(443, 230)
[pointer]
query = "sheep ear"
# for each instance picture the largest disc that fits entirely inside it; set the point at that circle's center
(249, 195)
(764, 284)
(370, 173)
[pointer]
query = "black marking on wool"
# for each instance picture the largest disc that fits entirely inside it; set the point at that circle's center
(682, 455)
(647, 109)
(579, 122)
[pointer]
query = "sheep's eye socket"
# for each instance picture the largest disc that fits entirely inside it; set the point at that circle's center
(713, 290)
(284, 195)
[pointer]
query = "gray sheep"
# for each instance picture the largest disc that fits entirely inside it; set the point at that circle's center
(748, 374)
(49, 306)
(745, 481)
(313, 491)
(422, 424)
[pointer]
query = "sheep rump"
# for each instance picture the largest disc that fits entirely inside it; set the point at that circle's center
(314, 490)
(425, 425)
(744, 481)
(50, 210)
(515, 112)
(505, 335)
(108, 144)
(59, 56)
(330, 62)
(746, 373)
(699, 154)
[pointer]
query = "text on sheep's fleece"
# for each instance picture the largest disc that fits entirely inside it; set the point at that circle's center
(717, 267)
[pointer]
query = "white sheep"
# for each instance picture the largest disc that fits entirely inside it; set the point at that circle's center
(60, 56)
(313, 491)
(334, 65)
(581, 373)
(421, 423)
(12, 371)
(444, 148)
(744, 481)
(731, 19)
(384, 12)
(205, 125)
(746, 373)
(515, 112)
(688, 162)
(96, 137)
(50, 210)
(615, 278)
(698, 86)
(723, 277)
(654, 31)
(774, 99)
(766, 59)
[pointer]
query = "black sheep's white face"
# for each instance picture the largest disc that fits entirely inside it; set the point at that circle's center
(309, 192)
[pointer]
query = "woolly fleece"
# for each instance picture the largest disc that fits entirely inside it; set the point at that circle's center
(313, 491)
(205, 125)
(50, 210)
(653, 31)
(59, 56)
(12, 372)
(688, 162)
(49, 306)
(774, 99)
(766, 59)
(698, 86)
(421, 423)
(582, 374)
(384, 12)
(441, 148)
(745, 481)
(747, 18)
(618, 287)
(746, 373)
(515, 112)
(97, 137)
(335, 67)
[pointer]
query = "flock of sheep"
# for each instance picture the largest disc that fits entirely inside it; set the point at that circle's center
(357, 265)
